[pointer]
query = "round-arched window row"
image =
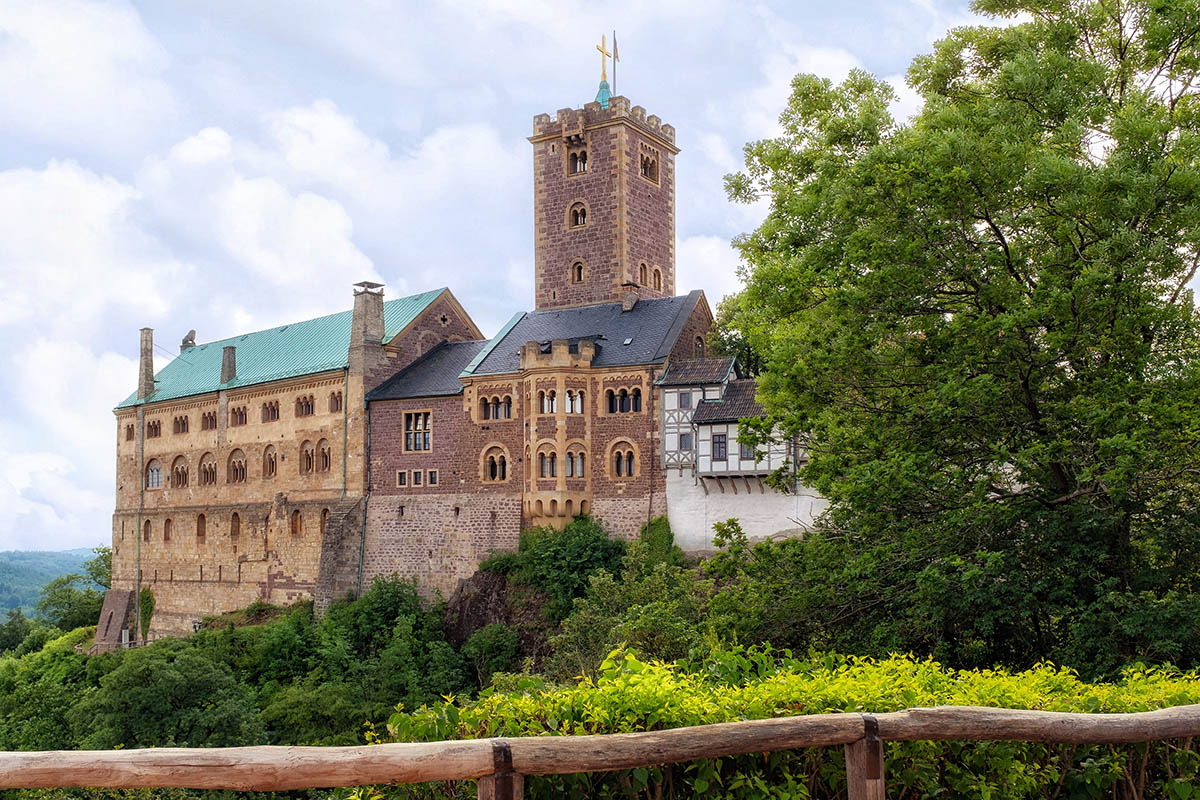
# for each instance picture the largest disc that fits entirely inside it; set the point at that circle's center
(495, 407)
(623, 401)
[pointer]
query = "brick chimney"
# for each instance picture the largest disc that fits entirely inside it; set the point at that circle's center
(228, 363)
(629, 299)
(146, 365)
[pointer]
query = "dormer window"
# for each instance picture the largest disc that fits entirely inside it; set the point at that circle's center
(578, 215)
(578, 162)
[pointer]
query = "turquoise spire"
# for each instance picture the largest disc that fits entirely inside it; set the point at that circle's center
(603, 95)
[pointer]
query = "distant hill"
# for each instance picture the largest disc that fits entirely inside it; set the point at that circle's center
(24, 573)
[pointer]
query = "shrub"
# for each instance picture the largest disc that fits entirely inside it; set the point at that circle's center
(559, 563)
(633, 695)
(491, 649)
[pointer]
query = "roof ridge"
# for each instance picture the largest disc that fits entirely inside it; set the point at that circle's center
(270, 328)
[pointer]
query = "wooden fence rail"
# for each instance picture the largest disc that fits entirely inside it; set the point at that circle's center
(499, 765)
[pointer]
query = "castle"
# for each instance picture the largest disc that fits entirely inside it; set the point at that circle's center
(304, 460)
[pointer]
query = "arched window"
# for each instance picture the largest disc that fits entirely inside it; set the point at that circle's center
(623, 403)
(619, 463)
(236, 470)
(485, 408)
(570, 401)
(179, 473)
(612, 401)
(269, 465)
(495, 408)
(657, 280)
(699, 346)
(129, 433)
(508, 407)
(577, 272)
(495, 464)
(297, 523)
(637, 400)
(154, 475)
(543, 469)
(308, 458)
(643, 275)
(554, 465)
(574, 162)
(541, 402)
(166, 530)
(579, 472)
(324, 456)
(208, 469)
(335, 401)
(578, 215)
(201, 529)
(622, 460)
(324, 519)
(146, 531)
(630, 465)
(649, 168)
(235, 528)
(552, 402)
(578, 162)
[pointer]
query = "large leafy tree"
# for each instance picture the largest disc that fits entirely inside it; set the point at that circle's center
(980, 322)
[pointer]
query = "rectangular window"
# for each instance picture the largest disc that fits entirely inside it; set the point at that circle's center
(719, 443)
(685, 399)
(417, 431)
(685, 442)
(417, 474)
(745, 452)
(401, 478)
(433, 477)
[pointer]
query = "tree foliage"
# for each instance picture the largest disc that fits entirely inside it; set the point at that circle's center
(981, 327)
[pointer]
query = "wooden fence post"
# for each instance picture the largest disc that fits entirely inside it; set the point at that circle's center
(503, 784)
(864, 764)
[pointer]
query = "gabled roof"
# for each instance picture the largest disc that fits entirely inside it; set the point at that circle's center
(434, 374)
(738, 403)
(697, 371)
(651, 327)
(288, 351)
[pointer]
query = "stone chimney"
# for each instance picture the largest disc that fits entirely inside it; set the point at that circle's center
(228, 363)
(629, 299)
(367, 356)
(367, 324)
(146, 365)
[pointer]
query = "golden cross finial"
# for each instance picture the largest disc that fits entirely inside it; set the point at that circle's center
(604, 54)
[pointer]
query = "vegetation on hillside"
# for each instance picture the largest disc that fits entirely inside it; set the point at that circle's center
(24, 573)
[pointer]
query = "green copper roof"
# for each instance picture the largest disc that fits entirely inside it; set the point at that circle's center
(289, 351)
(603, 96)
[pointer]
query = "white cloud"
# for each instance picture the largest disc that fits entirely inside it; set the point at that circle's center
(709, 263)
(82, 72)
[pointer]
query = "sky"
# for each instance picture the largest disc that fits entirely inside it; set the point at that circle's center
(231, 166)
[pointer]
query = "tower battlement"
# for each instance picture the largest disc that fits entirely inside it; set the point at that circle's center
(567, 120)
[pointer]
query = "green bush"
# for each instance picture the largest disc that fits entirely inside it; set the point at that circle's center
(559, 563)
(633, 695)
(491, 649)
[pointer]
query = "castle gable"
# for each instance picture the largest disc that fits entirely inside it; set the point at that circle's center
(643, 334)
(287, 351)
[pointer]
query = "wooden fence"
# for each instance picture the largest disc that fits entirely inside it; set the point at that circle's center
(499, 765)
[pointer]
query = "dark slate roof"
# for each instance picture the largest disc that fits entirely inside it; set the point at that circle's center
(286, 351)
(432, 375)
(697, 371)
(738, 403)
(652, 326)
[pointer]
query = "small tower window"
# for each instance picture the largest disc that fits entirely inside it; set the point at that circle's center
(578, 215)
(650, 168)
(577, 272)
(578, 162)
(657, 281)
(642, 275)
(699, 346)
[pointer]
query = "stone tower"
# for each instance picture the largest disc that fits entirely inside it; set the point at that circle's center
(604, 204)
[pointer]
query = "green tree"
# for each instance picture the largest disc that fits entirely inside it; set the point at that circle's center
(168, 695)
(14, 630)
(981, 327)
(99, 569)
(69, 602)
